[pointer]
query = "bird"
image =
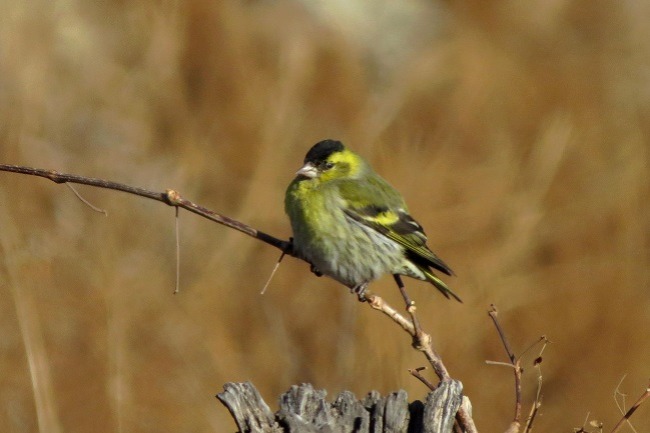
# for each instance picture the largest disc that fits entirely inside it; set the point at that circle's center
(351, 225)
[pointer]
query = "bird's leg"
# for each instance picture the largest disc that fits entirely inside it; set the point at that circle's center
(409, 303)
(360, 290)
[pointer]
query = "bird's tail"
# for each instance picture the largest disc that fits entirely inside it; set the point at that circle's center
(440, 285)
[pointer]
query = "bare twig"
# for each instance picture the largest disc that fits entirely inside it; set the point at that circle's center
(516, 422)
(421, 340)
(584, 423)
(593, 423)
(617, 392)
(170, 197)
(534, 408)
(415, 372)
(424, 345)
(275, 269)
(633, 409)
(622, 405)
(378, 303)
(535, 343)
(84, 201)
(464, 417)
(500, 363)
(515, 364)
(177, 230)
(493, 313)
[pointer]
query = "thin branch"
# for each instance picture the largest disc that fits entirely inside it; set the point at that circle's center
(500, 363)
(584, 423)
(84, 201)
(617, 392)
(173, 198)
(534, 408)
(621, 406)
(169, 197)
(177, 230)
(633, 409)
(535, 343)
(424, 345)
(532, 415)
(493, 315)
(422, 340)
(378, 303)
(433, 358)
(275, 269)
(57, 177)
(464, 417)
(514, 362)
(415, 372)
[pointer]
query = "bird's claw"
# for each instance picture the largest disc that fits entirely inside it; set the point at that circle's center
(360, 291)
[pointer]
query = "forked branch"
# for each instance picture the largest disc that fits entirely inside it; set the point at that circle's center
(421, 340)
(633, 409)
(169, 197)
(515, 364)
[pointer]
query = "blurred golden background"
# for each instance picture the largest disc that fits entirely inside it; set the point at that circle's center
(517, 131)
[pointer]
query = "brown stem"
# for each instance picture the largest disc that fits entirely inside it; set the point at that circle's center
(631, 411)
(422, 341)
(514, 362)
(534, 408)
(465, 421)
(170, 197)
(415, 372)
(378, 303)
(493, 315)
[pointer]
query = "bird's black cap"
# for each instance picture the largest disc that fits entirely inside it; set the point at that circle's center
(323, 149)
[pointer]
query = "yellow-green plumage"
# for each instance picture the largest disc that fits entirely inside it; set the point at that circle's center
(352, 225)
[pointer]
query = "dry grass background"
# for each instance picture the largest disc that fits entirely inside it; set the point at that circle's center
(518, 132)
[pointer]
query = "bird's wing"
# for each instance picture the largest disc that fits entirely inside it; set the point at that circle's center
(376, 204)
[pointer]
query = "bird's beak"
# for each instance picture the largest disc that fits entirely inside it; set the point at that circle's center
(308, 170)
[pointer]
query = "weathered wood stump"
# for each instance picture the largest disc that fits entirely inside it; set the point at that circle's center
(304, 409)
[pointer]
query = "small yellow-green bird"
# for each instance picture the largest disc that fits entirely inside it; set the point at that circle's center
(352, 225)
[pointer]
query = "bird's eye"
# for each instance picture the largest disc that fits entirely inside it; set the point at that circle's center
(328, 165)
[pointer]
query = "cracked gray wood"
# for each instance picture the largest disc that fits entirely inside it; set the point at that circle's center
(306, 410)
